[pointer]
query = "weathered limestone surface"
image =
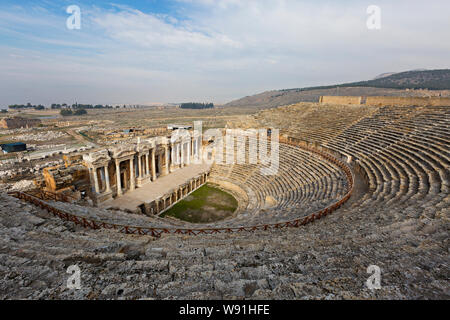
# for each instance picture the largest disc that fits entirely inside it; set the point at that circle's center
(324, 260)
(387, 101)
(397, 219)
(340, 99)
(57, 178)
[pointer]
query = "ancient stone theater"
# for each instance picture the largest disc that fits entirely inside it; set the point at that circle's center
(360, 182)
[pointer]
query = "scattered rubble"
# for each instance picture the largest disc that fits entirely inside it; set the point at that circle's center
(40, 136)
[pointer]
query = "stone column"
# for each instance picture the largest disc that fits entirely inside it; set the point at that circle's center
(132, 175)
(182, 154)
(147, 172)
(119, 182)
(108, 185)
(175, 155)
(160, 163)
(197, 155)
(153, 165)
(97, 188)
(140, 165)
(172, 155)
(189, 153)
(166, 154)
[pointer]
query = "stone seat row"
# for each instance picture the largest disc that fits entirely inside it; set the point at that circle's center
(400, 164)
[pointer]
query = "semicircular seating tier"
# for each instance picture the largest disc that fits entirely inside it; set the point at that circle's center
(402, 152)
(399, 222)
(302, 184)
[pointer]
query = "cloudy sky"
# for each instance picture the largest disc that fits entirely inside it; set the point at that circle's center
(150, 51)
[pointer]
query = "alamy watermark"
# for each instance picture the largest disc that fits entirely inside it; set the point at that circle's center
(73, 22)
(374, 20)
(374, 281)
(74, 281)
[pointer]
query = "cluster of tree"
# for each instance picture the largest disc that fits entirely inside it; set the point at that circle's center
(196, 105)
(26, 106)
(79, 106)
(68, 112)
(59, 106)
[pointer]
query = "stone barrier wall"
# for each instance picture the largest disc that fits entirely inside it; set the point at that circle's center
(380, 101)
(340, 99)
(408, 101)
(18, 122)
(158, 206)
(237, 192)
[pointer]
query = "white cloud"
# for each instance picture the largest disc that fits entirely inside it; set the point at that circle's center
(217, 50)
(158, 31)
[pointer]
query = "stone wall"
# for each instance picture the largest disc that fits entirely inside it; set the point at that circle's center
(60, 178)
(387, 101)
(408, 101)
(237, 192)
(17, 122)
(167, 201)
(340, 99)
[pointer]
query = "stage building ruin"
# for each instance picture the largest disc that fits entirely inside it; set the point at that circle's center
(110, 172)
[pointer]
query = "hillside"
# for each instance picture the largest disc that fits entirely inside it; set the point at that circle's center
(387, 74)
(397, 84)
(428, 79)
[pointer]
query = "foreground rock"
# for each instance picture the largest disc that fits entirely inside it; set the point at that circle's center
(324, 260)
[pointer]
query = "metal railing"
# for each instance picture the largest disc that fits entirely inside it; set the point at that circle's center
(49, 195)
(157, 231)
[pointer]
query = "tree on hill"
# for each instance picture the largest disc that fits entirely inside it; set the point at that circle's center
(196, 105)
(80, 112)
(66, 112)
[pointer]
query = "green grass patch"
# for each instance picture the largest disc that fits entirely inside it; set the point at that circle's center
(206, 204)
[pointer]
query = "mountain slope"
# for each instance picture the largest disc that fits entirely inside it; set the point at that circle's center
(429, 79)
(391, 85)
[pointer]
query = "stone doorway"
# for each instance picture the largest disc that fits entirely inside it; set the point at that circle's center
(125, 175)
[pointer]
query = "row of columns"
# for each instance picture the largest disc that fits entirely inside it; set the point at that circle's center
(144, 170)
(182, 153)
